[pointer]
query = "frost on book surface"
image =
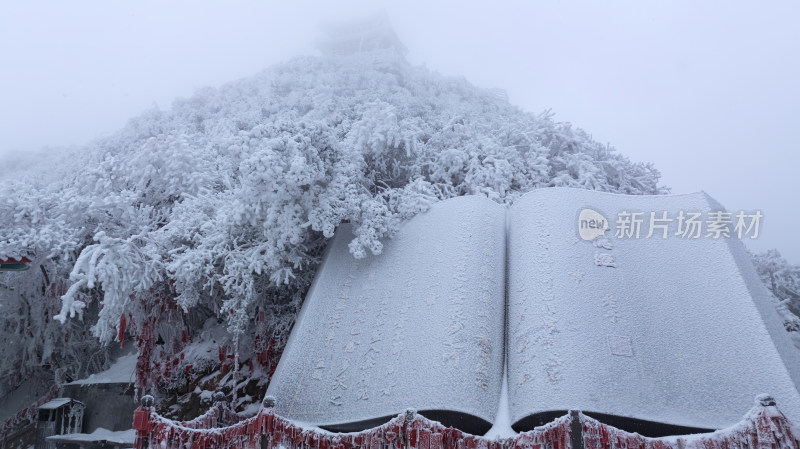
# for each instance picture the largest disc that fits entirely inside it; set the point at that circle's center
(670, 330)
(419, 326)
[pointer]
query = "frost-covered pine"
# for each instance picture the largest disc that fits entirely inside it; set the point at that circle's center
(783, 280)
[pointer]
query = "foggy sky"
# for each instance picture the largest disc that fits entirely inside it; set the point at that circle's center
(708, 91)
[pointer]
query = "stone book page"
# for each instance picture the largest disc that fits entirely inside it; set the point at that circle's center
(667, 328)
(420, 326)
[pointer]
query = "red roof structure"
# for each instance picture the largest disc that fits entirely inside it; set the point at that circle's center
(14, 261)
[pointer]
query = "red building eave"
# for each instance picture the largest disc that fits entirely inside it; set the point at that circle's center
(14, 261)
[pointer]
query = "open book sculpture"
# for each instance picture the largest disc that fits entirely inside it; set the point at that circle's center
(660, 334)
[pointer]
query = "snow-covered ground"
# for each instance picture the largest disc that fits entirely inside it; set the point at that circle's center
(121, 371)
(121, 438)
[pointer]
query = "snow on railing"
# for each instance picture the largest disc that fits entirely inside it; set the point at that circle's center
(218, 415)
(266, 430)
(764, 427)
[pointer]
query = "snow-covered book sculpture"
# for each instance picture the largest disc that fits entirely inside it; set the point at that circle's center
(647, 318)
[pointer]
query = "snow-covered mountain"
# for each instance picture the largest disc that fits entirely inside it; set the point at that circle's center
(218, 209)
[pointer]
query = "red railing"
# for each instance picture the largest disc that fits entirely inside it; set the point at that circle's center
(28, 414)
(764, 427)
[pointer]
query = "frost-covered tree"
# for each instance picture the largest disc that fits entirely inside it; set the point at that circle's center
(783, 280)
(223, 204)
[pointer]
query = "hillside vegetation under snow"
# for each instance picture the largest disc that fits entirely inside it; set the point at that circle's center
(219, 208)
